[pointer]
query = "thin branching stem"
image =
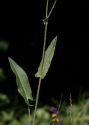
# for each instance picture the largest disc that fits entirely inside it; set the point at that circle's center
(51, 9)
(43, 55)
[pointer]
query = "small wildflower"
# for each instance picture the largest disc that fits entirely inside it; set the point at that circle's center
(55, 118)
(55, 115)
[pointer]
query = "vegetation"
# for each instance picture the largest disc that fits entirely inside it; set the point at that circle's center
(79, 114)
(61, 114)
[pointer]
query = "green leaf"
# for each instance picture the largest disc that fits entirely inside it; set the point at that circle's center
(22, 81)
(49, 53)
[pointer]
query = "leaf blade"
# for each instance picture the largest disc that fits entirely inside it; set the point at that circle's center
(22, 81)
(49, 53)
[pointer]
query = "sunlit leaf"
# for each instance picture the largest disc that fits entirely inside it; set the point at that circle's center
(22, 81)
(42, 71)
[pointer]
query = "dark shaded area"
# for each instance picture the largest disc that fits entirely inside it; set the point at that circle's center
(22, 27)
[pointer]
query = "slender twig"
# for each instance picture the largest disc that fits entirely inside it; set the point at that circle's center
(60, 103)
(51, 9)
(43, 55)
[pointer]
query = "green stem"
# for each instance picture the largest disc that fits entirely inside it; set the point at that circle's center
(60, 103)
(43, 55)
(49, 14)
(71, 109)
(29, 115)
(52, 9)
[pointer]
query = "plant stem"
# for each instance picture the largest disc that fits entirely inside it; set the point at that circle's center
(29, 115)
(43, 55)
(60, 103)
(52, 8)
(71, 109)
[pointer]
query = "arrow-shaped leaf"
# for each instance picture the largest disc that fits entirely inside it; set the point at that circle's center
(22, 81)
(49, 53)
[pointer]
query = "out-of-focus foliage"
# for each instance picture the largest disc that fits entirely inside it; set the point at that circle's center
(2, 74)
(43, 117)
(8, 118)
(4, 45)
(79, 114)
(3, 99)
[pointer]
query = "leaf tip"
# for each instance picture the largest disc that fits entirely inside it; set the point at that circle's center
(9, 59)
(56, 37)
